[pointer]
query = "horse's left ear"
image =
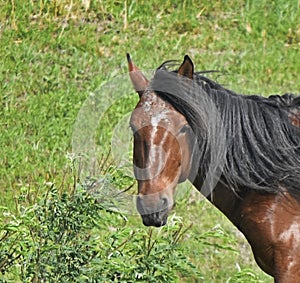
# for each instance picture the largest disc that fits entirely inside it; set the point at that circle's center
(187, 68)
(138, 79)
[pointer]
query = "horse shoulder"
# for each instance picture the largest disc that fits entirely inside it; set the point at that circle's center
(271, 224)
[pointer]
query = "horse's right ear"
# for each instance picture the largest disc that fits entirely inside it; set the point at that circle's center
(139, 81)
(187, 68)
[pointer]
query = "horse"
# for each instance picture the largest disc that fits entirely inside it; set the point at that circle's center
(241, 151)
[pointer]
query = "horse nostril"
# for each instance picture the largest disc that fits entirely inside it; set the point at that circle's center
(165, 202)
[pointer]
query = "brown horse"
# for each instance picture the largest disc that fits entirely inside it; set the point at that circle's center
(241, 152)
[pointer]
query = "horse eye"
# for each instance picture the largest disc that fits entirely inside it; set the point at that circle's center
(133, 129)
(184, 129)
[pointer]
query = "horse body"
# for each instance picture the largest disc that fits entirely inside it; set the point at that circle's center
(270, 223)
(273, 231)
(249, 169)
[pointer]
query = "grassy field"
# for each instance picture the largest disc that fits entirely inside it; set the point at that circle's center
(55, 53)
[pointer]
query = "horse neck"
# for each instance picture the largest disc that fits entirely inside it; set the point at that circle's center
(225, 199)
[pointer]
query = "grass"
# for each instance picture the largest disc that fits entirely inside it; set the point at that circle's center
(54, 53)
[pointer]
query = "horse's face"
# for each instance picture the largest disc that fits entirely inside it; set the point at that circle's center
(162, 152)
(161, 156)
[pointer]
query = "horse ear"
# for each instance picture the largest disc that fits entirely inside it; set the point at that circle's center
(139, 81)
(187, 68)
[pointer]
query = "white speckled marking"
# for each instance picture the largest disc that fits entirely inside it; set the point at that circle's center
(292, 232)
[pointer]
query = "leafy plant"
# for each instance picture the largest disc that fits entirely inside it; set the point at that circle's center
(73, 237)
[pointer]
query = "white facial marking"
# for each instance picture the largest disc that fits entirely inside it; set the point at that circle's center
(156, 119)
(156, 153)
(147, 105)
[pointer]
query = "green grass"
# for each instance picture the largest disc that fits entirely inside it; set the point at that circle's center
(54, 53)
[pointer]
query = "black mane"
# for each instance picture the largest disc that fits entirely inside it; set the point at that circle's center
(252, 135)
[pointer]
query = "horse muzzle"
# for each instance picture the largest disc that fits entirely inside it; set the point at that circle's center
(153, 213)
(155, 219)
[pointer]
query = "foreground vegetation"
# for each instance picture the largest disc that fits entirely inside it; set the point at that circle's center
(53, 54)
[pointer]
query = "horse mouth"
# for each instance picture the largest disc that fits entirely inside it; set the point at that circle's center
(156, 219)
